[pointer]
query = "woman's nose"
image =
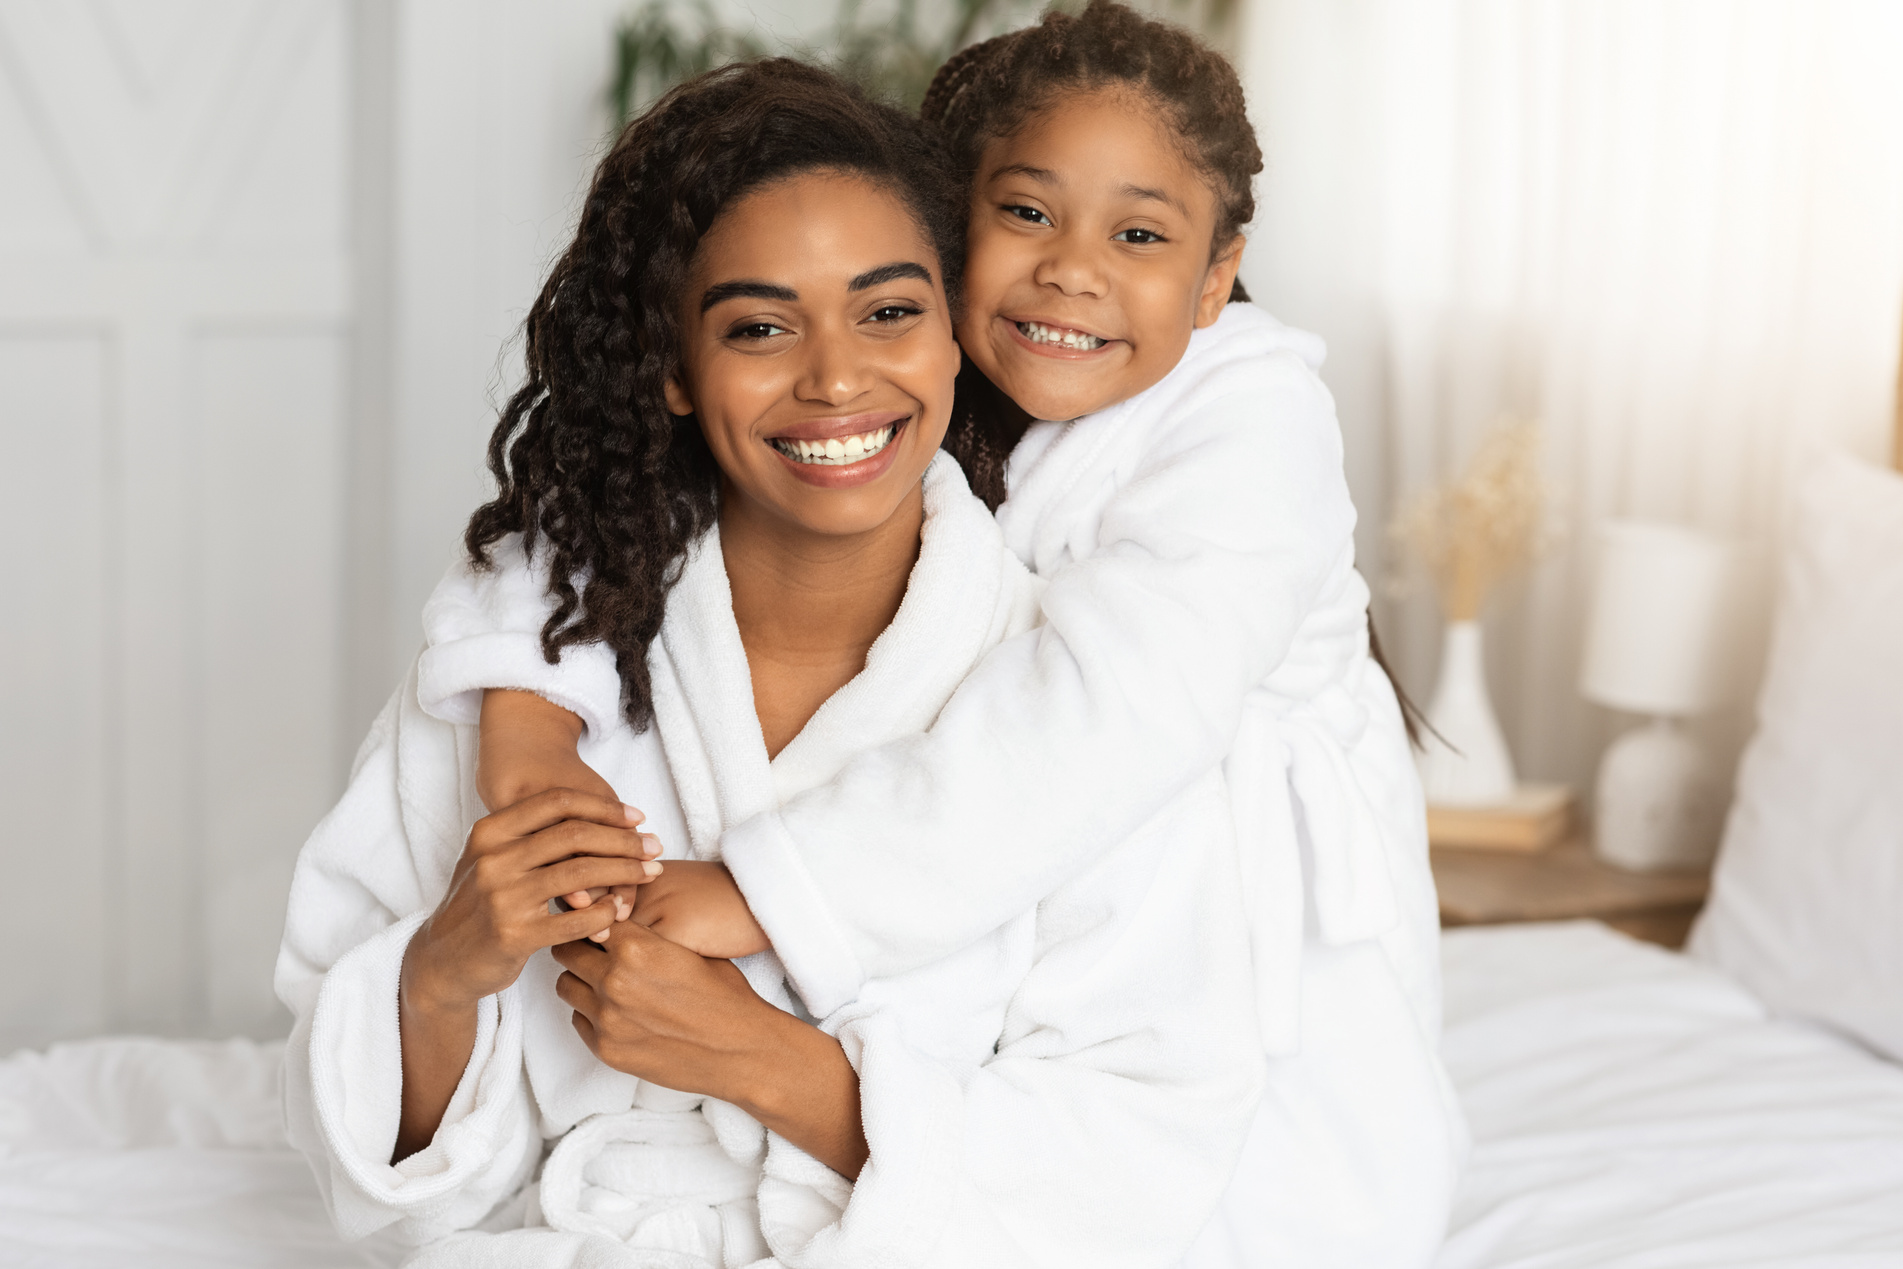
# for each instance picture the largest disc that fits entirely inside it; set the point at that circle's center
(834, 372)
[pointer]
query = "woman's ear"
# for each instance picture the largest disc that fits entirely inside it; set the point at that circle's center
(678, 402)
(1217, 284)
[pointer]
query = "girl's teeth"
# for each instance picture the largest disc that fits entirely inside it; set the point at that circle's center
(1038, 333)
(837, 452)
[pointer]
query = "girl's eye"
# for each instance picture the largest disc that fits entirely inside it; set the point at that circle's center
(1141, 236)
(1030, 214)
(756, 330)
(894, 313)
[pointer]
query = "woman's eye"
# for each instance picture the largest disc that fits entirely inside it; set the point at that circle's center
(756, 330)
(894, 313)
(1140, 236)
(1031, 214)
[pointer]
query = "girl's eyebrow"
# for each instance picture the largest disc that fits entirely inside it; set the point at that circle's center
(889, 273)
(1042, 175)
(1154, 195)
(747, 288)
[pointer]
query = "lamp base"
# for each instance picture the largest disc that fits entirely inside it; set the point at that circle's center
(1660, 802)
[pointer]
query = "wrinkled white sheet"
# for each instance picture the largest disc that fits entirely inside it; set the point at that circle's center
(1635, 1109)
(156, 1154)
(1632, 1109)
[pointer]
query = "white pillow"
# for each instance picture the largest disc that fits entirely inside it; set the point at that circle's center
(1807, 902)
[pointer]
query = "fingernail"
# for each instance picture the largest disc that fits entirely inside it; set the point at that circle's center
(622, 910)
(579, 899)
(598, 938)
(650, 846)
(633, 813)
(651, 867)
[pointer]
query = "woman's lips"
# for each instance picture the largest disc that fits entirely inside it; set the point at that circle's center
(838, 462)
(1047, 339)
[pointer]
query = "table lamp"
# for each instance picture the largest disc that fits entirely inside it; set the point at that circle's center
(1661, 605)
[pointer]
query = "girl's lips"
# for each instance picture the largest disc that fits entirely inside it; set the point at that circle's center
(847, 475)
(1059, 351)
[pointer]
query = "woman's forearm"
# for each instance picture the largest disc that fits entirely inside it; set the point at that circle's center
(437, 1038)
(804, 1089)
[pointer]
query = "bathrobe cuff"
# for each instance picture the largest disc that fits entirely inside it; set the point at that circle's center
(452, 676)
(895, 1214)
(356, 1081)
(788, 904)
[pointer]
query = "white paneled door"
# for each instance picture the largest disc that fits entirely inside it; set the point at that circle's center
(175, 309)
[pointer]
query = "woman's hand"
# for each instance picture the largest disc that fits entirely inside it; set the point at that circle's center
(494, 917)
(697, 905)
(527, 746)
(655, 1010)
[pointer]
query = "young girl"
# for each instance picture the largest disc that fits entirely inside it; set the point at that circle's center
(1185, 502)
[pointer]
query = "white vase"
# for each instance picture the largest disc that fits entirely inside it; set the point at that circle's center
(1467, 764)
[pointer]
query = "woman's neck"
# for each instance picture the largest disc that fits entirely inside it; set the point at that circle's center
(809, 606)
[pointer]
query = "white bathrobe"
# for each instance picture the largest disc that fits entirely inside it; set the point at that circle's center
(1202, 607)
(1071, 1087)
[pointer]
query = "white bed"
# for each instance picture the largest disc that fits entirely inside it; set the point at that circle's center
(1630, 1106)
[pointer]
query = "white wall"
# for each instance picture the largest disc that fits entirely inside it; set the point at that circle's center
(259, 264)
(174, 306)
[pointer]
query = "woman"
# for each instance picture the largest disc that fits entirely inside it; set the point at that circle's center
(765, 263)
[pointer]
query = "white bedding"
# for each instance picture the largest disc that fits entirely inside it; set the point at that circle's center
(1631, 1109)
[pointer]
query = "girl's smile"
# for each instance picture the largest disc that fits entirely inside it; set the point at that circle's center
(1090, 254)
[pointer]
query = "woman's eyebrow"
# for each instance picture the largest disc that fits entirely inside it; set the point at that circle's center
(747, 288)
(889, 273)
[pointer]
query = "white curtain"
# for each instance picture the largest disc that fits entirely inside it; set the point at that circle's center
(1670, 230)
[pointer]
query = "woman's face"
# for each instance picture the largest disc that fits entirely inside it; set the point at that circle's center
(817, 352)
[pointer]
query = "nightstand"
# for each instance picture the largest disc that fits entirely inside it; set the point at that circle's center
(1565, 882)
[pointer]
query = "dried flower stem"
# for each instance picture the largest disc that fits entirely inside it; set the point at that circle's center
(1474, 532)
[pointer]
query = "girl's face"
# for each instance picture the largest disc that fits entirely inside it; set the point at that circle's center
(1089, 255)
(817, 352)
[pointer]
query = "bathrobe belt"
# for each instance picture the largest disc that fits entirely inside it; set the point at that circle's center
(1292, 779)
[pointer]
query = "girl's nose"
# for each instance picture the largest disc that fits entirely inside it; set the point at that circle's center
(1073, 267)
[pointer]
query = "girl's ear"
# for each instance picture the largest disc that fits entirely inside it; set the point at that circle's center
(678, 402)
(1217, 284)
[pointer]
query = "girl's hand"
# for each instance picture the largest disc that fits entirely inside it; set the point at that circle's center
(496, 913)
(657, 1011)
(698, 906)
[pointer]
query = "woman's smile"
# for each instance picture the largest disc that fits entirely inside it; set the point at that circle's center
(843, 451)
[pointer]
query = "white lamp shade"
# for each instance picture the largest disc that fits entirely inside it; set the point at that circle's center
(1663, 599)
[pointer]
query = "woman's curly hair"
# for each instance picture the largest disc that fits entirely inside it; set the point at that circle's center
(606, 487)
(990, 89)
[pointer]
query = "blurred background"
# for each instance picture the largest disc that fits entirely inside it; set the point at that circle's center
(262, 263)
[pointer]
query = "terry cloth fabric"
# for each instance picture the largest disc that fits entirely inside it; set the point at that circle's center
(1202, 607)
(1076, 1082)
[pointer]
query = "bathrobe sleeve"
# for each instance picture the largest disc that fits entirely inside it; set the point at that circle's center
(1227, 527)
(368, 877)
(483, 629)
(1106, 1126)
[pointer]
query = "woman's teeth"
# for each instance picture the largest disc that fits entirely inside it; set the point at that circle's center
(1038, 333)
(839, 451)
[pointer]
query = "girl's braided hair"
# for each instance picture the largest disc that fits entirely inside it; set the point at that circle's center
(990, 89)
(589, 464)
